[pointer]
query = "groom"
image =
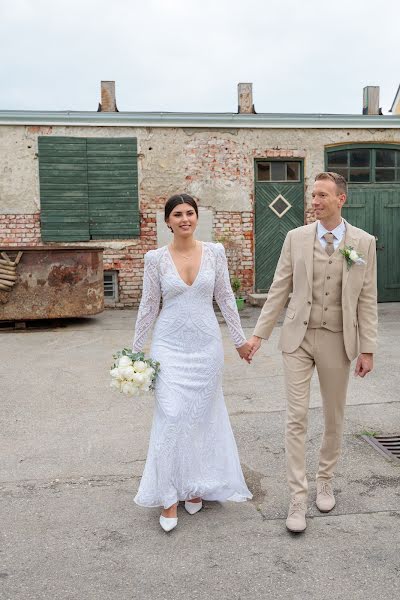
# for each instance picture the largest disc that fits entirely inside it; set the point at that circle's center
(331, 318)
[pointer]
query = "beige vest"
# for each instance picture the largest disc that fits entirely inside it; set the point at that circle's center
(326, 310)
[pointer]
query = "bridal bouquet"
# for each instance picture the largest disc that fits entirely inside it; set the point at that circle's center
(132, 373)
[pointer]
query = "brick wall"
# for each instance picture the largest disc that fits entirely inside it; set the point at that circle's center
(128, 261)
(235, 231)
(20, 230)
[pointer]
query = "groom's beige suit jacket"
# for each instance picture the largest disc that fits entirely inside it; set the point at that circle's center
(294, 273)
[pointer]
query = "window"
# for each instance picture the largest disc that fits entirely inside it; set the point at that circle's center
(366, 165)
(88, 188)
(278, 171)
(111, 286)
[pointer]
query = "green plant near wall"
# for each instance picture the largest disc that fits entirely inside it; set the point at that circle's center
(236, 285)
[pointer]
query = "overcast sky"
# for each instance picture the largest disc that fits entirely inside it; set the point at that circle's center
(188, 56)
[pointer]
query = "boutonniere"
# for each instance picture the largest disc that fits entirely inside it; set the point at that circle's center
(352, 257)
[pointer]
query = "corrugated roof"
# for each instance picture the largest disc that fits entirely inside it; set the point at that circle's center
(201, 120)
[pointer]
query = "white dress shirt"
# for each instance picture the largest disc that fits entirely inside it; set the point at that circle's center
(338, 234)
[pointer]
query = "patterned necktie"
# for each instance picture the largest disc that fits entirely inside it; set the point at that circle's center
(329, 248)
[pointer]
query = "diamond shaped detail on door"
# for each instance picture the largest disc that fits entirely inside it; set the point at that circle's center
(280, 206)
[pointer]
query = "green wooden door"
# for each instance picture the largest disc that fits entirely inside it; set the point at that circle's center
(376, 209)
(279, 207)
(373, 203)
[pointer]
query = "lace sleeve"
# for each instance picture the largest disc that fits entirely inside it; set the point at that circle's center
(225, 299)
(150, 302)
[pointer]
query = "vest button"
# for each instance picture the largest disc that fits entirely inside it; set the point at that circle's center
(330, 262)
(309, 302)
(325, 309)
(328, 277)
(324, 323)
(326, 293)
(305, 322)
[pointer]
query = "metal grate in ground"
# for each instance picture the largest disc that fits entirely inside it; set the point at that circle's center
(386, 445)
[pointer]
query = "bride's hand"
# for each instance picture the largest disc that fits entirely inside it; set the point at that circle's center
(244, 351)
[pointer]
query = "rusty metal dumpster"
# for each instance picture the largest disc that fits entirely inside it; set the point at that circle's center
(50, 282)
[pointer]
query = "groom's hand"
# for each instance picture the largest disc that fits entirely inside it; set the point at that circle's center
(255, 343)
(365, 364)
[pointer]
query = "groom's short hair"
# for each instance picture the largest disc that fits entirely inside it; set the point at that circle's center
(341, 183)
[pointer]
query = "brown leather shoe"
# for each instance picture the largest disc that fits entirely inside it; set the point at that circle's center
(296, 520)
(325, 498)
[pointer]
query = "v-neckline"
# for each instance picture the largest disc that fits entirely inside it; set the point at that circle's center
(176, 268)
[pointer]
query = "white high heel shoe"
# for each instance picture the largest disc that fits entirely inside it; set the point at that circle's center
(193, 507)
(168, 523)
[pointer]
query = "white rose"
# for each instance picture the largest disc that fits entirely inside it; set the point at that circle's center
(128, 388)
(116, 384)
(145, 387)
(353, 256)
(127, 372)
(139, 366)
(149, 372)
(124, 361)
(138, 378)
(146, 382)
(115, 373)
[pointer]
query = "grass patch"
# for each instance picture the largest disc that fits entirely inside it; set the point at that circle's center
(368, 433)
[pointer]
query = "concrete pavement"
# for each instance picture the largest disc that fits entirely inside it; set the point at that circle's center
(72, 453)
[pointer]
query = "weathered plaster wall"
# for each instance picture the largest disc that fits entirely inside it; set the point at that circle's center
(215, 165)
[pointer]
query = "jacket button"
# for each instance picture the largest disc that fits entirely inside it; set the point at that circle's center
(324, 323)
(309, 302)
(328, 277)
(305, 322)
(330, 262)
(325, 309)
(326, 293)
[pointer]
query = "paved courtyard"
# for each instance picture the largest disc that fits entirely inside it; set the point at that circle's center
(72, 453)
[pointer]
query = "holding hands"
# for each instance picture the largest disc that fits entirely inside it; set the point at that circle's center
(249, 348)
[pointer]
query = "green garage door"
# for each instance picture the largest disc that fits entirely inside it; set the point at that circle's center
(279, 207)
(373, 204)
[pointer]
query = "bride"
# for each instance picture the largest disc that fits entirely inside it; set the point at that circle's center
(192, 452)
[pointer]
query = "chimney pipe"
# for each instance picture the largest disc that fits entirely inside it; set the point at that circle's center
(371, 100)
(108, 102)
(245, 99)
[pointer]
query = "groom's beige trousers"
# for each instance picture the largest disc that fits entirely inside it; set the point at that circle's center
(324, 350)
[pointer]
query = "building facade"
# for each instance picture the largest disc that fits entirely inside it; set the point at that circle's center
(102, 178)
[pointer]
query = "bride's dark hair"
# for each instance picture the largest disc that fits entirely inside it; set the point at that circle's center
(179, 199)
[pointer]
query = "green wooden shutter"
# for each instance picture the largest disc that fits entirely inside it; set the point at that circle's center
(113, 188)
(64, 200)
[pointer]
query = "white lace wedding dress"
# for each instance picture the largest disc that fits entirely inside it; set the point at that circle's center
(192, 450)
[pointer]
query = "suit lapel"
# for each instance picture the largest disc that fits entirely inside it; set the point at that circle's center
(350, 239)
(308, 252)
